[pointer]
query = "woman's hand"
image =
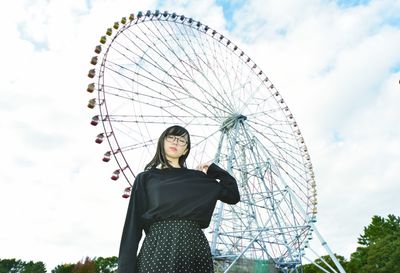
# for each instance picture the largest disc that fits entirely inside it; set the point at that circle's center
(203, 167)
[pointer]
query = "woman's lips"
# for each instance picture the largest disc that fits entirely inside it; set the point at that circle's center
(173, 149)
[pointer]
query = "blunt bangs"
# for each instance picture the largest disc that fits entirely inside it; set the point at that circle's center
(177, 131)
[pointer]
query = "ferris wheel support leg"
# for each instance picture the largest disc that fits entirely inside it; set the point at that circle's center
(216, 229)
(217, 221)
(317, 265)
(323, 242)
(327, 248)
(236, 121)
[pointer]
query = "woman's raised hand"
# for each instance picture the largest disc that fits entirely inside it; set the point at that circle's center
(203, 167)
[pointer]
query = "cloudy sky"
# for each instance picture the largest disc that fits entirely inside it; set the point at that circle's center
(336, 63)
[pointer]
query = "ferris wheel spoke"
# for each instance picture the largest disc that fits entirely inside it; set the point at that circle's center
(190, 61)
(209, 64)
(174, 103)
(176, 78)
(189, 44)
(179, 89)
(184, 64)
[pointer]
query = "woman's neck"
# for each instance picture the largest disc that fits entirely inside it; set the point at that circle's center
(175, 165)
(174, 162)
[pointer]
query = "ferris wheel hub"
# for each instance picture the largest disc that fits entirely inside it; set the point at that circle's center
(232, 121)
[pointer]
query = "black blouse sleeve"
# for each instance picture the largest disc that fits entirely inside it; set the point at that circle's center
(229, 193)
(132, 232)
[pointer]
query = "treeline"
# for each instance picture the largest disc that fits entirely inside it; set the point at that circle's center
(88, 265)
(378, 252)
(18, 266)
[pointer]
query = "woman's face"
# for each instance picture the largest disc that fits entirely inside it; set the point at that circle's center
(175, 147)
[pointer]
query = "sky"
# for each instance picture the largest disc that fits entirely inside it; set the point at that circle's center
(336, 63)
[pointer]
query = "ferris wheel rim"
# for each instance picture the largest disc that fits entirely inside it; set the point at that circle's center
(117, 149)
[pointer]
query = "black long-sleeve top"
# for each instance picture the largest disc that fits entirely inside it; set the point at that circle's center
(172, 193)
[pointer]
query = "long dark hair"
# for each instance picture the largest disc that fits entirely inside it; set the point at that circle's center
(159, 158)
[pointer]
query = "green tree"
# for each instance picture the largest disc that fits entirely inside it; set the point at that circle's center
(312, 268)
(63, 268)
(6, 265)
(18, 266)
(106, 265)
(379, 228)
(11, 266)
(31, 267)
(380, 247)
(88, 265)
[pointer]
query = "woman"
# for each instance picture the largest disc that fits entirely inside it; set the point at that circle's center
(172, 204)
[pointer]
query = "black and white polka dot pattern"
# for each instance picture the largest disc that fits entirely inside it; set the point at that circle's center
(175, 246)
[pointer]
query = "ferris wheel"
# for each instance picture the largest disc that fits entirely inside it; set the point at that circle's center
(157, 69)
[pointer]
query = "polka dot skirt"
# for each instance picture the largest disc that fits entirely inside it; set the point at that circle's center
(175, 246)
